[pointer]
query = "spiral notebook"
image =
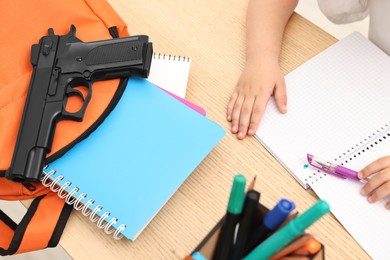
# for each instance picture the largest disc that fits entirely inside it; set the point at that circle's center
(170, 72)
(369, 224)
(127, 169)
(338, 109)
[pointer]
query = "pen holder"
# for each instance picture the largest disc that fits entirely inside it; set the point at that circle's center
(207, 245)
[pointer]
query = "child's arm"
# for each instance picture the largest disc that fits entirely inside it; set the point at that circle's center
(378, 187)
(261, 78)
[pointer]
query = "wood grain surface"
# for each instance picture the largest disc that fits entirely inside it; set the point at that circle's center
(212, 34)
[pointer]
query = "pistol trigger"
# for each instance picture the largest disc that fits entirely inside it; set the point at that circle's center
(74, 92)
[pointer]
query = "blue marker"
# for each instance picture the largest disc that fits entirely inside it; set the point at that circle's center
(198, 256)
(271, 221)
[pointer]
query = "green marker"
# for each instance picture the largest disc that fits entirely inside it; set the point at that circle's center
(237, 195)
(232, 217)
(289, 232)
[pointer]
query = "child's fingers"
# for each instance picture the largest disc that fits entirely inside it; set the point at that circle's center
(231, 103)
(387, 206)
(380, 193)
(377, 187)
(374, 167)
(245, 116)
(375, 182)
(236, 113)
(257, 113)
(281, 96)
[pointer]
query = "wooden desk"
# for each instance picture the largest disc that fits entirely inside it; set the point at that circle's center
(212, 33)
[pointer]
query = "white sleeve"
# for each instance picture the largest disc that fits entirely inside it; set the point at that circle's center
(344, 11)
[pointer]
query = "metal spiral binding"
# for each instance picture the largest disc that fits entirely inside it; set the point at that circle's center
(162, 56)
(362, 142)
(51, 181)
(385, 135)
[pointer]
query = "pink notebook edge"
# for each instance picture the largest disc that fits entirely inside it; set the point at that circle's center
(186, 102)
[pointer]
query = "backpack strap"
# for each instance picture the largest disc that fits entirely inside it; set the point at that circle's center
(40, 227)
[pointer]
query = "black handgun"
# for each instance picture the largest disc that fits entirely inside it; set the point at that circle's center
(61, 64)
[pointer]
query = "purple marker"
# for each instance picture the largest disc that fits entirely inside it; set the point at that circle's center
(332, 168)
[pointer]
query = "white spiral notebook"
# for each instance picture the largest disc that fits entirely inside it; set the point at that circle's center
(338, 109)
(129, 167)
(170, 72)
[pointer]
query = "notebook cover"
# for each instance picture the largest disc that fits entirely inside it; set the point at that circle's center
(140, 155)
(188, 103)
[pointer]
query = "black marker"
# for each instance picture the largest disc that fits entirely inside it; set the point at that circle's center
(248, 214)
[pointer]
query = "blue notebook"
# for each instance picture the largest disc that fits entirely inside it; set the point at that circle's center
(126, 170)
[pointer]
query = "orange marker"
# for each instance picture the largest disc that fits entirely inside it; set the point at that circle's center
(181, 256)
(310, 248)
(313, 246)
(293, 247)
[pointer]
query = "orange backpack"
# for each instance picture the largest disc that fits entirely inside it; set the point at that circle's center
(24, 23)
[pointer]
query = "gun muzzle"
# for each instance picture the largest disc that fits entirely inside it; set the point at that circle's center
(33, 169)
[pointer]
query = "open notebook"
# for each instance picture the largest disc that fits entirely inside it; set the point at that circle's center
(338, 105)
(127, 169)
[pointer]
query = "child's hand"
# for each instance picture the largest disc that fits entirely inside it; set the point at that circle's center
(378, 187)
(254, 88)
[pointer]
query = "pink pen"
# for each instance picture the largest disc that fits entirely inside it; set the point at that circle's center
(332, 168)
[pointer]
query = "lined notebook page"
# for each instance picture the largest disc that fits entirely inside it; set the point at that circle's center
(337, 101)
(369, 224)
(164, 68)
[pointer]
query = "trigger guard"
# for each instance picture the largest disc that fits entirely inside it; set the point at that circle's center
(74, 92)
(70, 91)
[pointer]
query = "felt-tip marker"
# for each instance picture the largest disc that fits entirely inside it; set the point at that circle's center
(248, 215)
(226, 236)
(332, 168)
(270, 222)
(198, 256)
(289, 232)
